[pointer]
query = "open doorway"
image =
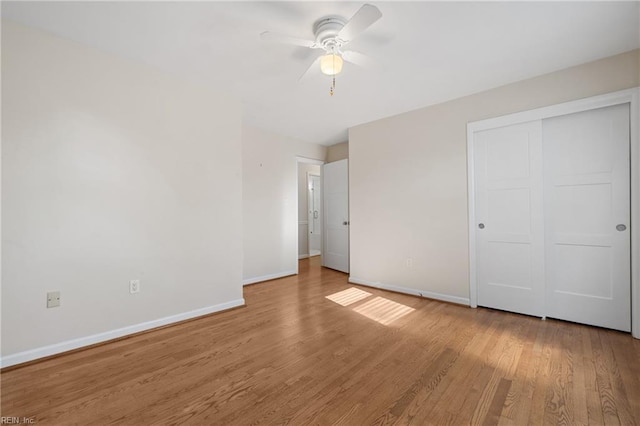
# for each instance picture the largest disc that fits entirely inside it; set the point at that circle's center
(314, 210)
(309, 208)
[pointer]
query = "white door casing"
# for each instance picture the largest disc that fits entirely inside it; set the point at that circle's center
(509, 218)
(587, 217)
(335, 245)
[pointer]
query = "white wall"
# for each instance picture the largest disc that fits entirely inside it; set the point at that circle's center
(111, 172)
(408, 178)
(270, 205)
(303, 206)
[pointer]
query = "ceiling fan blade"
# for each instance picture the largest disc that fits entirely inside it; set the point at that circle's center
(363, 19)
(279, 38)
(356, 58)
(315, 65)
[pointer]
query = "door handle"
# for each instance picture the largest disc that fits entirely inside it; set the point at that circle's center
(346, 222)
(621, 227)
(481, 225)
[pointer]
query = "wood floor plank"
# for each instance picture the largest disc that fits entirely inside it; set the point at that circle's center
(459, 404)
(592, 397)
(603, 382)
(629, 369)
(517, 403)
(292, 356)
(499, 398)
(620, 397)
(579, 387)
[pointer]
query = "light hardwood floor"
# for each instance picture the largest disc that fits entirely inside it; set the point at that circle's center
(293, 356)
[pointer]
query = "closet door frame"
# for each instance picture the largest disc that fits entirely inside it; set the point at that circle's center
(630, 96)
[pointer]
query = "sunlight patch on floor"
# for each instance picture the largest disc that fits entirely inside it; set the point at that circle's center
(383, 310)
(348, 296)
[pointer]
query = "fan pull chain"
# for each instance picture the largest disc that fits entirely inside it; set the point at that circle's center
(333, 86)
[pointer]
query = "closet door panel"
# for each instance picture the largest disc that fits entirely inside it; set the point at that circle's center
(587, 217)
(509, 231)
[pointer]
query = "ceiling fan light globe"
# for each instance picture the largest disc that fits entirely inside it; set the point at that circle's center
(331, 64)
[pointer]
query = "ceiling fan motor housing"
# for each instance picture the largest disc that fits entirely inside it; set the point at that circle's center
(326, 31)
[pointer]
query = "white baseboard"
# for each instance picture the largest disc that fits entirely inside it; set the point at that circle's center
(254, 280)
(306, 256)
(69, 345)
(414, 292)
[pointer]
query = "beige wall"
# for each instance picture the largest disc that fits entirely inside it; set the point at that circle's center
(269, 202)
(337, 152)
(408, 177)
(111, 172)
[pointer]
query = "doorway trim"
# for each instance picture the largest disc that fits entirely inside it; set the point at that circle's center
(630, 96)
(306, 160)
(309, 202)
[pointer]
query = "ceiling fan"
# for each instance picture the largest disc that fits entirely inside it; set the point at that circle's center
(332, 34)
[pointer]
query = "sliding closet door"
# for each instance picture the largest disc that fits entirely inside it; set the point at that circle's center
(587, 217)
(509, 228)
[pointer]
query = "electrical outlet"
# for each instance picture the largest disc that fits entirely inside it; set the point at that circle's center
(53, 299)
(134, 286)
(409, 263)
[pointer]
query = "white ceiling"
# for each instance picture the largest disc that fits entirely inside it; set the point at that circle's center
(423, 52)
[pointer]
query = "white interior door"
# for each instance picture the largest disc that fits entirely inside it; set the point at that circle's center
(587, 217)
(335, 184)
(315, 216)
(509, 228)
